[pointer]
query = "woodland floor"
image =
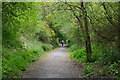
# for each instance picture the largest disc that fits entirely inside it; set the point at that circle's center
(54, 64)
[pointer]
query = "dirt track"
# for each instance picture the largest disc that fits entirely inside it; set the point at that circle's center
(55, 64)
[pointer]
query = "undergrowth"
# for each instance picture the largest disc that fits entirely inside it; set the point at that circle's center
(16, 60)
(104, 62)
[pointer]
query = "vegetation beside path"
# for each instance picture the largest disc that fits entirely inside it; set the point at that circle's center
(102, 64)
(24, 38)
(91, 30)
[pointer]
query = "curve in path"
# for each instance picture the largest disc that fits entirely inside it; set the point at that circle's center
(56, 64)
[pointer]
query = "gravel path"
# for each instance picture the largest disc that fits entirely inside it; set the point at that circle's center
(56, 64)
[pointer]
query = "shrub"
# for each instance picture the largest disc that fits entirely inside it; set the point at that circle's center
(80, 55)
(87, 70)
(104, 55)
(46, 47)
(96, 51)
(113, 68)
(73, 48)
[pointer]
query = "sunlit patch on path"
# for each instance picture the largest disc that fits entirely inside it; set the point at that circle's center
(56, 64)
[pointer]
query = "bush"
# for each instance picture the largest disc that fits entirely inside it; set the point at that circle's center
(80, 55)
(14, 64)
(113, 68)
(73, 48)
(87, 70)
(46, 47)
(104, 55)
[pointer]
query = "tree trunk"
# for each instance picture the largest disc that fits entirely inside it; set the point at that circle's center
(88, 44)
(118, 31)
(87, 39)
(87, 36)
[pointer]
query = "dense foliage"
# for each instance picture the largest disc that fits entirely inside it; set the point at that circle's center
(25, 36)
(91, 30)
(103, 31)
